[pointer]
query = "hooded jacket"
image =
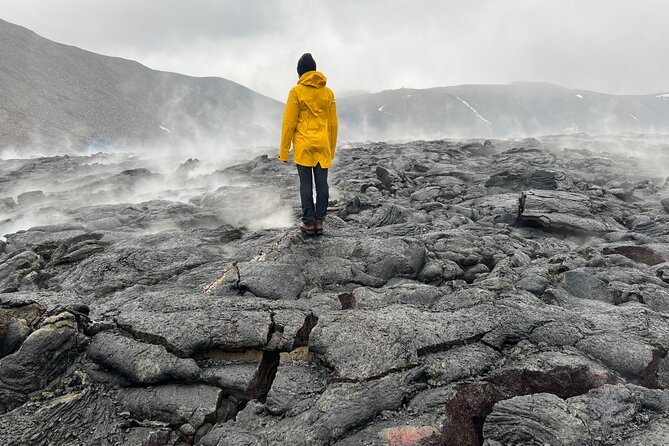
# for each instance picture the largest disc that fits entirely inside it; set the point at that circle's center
(310, 122)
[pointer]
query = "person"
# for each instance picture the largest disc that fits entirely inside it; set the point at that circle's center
(310, 124)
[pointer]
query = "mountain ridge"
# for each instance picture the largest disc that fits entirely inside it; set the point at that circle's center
(521, 108)
(512, 83)
(61, 95)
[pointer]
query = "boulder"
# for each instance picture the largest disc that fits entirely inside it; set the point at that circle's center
(173, 404)
(139, 362)
(44, 355)
(31, 197)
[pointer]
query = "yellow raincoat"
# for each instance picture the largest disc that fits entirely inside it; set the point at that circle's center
(310, 122)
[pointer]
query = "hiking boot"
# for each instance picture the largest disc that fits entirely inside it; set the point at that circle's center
(318, 226)
(306, 229)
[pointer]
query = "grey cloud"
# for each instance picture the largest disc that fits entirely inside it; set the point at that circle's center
(614, 46)
(148, 24)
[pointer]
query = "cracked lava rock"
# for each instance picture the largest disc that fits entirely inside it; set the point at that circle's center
(507, 293)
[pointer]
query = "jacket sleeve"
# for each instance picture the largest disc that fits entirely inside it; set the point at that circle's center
(334, 127)
(289, 124)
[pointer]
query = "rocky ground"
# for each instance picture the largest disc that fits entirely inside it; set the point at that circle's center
(464, 293)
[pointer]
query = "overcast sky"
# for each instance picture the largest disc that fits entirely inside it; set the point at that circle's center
(612, 46)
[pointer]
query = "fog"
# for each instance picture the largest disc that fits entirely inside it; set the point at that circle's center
(137, 191)
(98, 190)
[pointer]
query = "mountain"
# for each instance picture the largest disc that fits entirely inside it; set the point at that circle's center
(517, 109)
(59, 96)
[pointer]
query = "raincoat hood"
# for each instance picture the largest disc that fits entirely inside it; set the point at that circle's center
(313, 79)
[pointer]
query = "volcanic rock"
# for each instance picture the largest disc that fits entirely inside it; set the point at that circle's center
(463, 293)
(30, 198)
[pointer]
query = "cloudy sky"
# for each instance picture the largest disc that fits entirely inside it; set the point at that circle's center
(613, 46)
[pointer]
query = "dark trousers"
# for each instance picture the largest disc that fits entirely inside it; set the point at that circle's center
(308, 176)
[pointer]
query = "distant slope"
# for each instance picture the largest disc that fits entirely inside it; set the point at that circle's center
(58, 96)
(518, 109)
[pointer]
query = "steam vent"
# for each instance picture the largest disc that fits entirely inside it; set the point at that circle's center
(495, 292)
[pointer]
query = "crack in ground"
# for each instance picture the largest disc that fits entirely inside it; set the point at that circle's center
(148, 338)
(650, 374)
(302, 335)
(449, 345)
(211, 287)
(264, 377)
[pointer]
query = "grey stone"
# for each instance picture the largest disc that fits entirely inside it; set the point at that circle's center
(19, 270)
(391, 338)
(233, 379)
(295, 388)
(557, 426)
(472, 272)
(626, 354)
(387, 177)
(408, 293)
(45, 354)
(583, 285)
(15, 333)
(519, 258)
(200, 330)
(146, 260)
(665, 204)
(7, 204)
(390, 215)
(273, 281)
(340, 409)
(141, 363)
(459, 363)
(452, 270)
(30, 198)
(593, 418)
(654, 433)
(174, 404)
(534, 284)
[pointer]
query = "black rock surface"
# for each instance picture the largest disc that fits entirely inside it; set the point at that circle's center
(464, 293)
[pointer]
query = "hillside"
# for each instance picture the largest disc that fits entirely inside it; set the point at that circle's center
(60, 97)
(518, 109)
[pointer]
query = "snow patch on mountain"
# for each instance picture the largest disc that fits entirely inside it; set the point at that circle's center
(474, 110)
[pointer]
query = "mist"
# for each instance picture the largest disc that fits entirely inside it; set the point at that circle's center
(97, 190)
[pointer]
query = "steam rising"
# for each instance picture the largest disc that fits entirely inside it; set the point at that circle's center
(95, 190)
(99, 189)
